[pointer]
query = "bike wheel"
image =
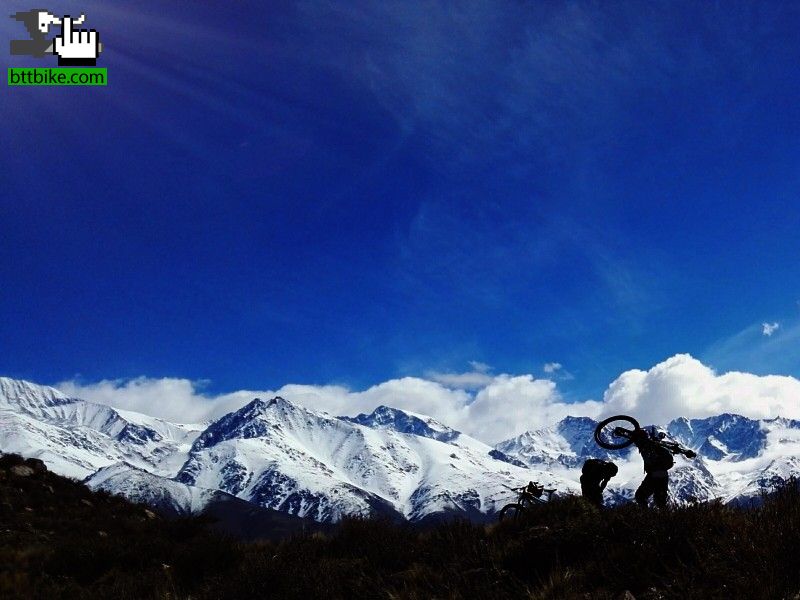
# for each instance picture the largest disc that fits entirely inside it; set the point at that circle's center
(604, 432)
(511, 512)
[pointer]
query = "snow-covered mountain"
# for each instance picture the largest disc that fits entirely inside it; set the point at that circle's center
(272, 453)
(279, 455)
(163, 493)
(567, 444)
(76, 438)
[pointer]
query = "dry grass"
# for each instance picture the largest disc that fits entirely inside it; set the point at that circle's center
(51, 546)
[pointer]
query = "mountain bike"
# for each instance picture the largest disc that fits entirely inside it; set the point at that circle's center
(529, 495)
(612, 434)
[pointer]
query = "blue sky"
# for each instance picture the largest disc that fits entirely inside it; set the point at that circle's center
(316, 193)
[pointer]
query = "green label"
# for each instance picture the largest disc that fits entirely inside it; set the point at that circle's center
(64, 76)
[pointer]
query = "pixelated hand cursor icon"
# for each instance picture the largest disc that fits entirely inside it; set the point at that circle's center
(76, 47)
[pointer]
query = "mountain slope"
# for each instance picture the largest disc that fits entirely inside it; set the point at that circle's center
(77, 437)
(284, 456)
(137, 485)
(385, 417)
(172, 498)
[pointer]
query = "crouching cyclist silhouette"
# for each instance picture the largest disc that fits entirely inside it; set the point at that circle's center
(657, 455)
(595, 475)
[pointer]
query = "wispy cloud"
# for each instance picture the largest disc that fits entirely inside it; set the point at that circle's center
(502, 82)
(557, 372)
(480, 367)
(530, 93)
(759, 348)
(475, 379)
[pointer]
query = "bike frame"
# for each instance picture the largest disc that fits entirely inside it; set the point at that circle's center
(526, 497)
(529, 495)
(673, 447)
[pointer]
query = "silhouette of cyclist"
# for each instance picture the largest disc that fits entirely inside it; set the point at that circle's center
(594, 479)
(657, 455)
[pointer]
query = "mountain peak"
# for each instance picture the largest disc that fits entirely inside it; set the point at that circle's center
(24, 394)
(261, 407)
(262, 403)
(783, 422)
(403, 421)
(578, 427)
(258, 418)
(727, 435)
(570, 421)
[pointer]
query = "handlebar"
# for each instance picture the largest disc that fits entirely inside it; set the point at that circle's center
(622, 432)
(536, 486)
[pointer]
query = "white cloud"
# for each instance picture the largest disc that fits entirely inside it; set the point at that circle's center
(683, 386)
(503, 406)
(511, 405)
(167, 398)
(465, 381)
(557, 371)
(475, 379)
(769, 328)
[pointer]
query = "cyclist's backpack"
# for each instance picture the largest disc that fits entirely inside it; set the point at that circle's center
(594, 468)
(656, 458)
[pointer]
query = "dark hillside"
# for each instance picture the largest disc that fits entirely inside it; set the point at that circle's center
(59, 540)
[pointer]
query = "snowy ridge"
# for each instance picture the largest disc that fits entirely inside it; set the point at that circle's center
(279, 455)
(78, 437)
(385, 417)
(567, 444)
(138, 485)
(15, 393)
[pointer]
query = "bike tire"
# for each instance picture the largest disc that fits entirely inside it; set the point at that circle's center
(603, 443)
(511, 512)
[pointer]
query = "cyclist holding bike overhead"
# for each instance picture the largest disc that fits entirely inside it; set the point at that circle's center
(657, 455)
